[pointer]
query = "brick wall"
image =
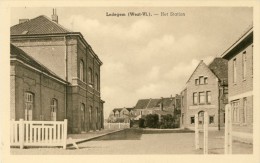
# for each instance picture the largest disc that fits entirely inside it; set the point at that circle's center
(213, 107)
(242, 88)
(43, 87)
(241, 85)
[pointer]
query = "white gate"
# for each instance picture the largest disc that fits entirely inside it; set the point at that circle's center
(38, 133)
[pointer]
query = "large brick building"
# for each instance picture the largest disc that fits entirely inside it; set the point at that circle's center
(240, 72)
(74, 75)
(205, 91)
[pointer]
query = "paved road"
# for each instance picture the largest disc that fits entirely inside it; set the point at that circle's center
(135, 141)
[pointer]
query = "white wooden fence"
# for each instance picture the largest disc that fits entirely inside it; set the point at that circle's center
(116, 125)
(38, 133)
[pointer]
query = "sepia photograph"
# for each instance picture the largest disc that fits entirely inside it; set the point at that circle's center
(132, 80)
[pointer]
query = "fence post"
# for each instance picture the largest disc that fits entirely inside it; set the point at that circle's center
(206, 123)
(228, 130)
(65, 134)
(197, 143)
(109, 125)
(21, 133)
(119, 125)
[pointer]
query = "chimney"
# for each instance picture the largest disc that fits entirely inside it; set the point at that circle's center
(23, 20)
(54, 16)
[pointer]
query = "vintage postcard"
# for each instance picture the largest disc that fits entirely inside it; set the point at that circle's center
(148, 81)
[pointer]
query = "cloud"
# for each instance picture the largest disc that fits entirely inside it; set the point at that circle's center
(136, 30)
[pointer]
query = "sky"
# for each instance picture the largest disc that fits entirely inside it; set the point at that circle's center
(149, 57)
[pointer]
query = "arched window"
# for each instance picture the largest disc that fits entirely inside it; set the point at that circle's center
(29, 103)
(54, 108)
(96, 82)
(83, 112)
(81, 70)
(90, 79)
(90, 113)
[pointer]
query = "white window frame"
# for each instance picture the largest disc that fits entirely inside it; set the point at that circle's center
(54, 108)
(244, 59)
(29, 104)
(208, 96)
(195, 98)
(234, 70)
(204, 100)
(81, 70)
(235, 111)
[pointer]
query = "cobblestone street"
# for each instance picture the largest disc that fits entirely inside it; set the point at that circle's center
(138, 141)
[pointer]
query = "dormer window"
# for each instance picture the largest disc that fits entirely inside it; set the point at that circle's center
(201, 80)
(196, 81)
(205, 80)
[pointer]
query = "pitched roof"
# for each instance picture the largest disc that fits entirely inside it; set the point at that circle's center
(38, 25)
(153, 103)
(17, 53)
(142, 104)
(201, 63)
(243, 41)
(219, 67)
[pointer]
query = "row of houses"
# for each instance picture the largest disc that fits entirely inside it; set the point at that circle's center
(160, 106)
(54, 75)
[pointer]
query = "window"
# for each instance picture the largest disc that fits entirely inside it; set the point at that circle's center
(196, 81)
(28, 106)
(192, 120)
(201, 97)
(205, 80)
(90, 113)
(195, 98)
(235, 111)
(208, 96)
(201, 80)
(244, 110)
(90, 79)
(96, 82)
(244, 64)
(83, 112)
(234, 71)
(81, 70)
(182, 100)
(54, 105)
(211, 119)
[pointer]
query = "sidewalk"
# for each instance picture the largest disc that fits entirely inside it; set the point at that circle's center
(80, 138)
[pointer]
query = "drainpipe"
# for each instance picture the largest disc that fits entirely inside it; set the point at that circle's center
(66, 75)
(219, 101)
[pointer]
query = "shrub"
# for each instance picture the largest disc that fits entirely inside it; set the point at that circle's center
(151, 120)
(141, 123)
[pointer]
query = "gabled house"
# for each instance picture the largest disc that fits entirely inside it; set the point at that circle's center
(240, 73)
(121, 115)
(67, 55)
(160, 106)
(205, 91)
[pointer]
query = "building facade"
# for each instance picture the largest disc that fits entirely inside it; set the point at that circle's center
(240, 72)
(205, 91)
(68, 55)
